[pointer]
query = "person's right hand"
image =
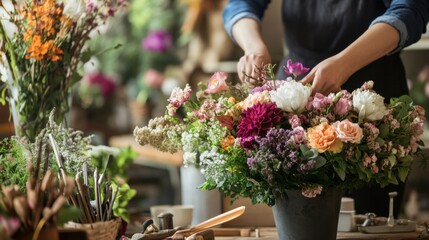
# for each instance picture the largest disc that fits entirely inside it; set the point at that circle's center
(250, 66)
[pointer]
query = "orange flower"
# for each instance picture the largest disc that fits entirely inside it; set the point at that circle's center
(37, 49)
(323, 138)
(40, 50)
(227, 142)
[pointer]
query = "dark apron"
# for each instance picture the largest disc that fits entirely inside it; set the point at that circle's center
(316, 30)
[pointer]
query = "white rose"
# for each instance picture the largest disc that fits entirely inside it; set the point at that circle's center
(370, 105)
(74, 8)
(292, 96)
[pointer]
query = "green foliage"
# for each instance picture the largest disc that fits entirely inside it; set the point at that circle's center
(68, 213)
(114, 164)
(125, 194)
(13, 163)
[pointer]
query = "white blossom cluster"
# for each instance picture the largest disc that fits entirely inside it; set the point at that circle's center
(212, 164)
(161, 134)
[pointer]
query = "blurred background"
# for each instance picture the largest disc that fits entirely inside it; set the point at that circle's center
(158, 45)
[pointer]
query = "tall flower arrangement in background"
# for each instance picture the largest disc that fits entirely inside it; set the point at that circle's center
(42, 45)
(259, 142)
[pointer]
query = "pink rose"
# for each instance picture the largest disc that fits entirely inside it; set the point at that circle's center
(217, 83)
(348, 131)
(320, 101)
(343, 106)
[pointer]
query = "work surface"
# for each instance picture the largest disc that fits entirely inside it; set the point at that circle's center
(270, 234)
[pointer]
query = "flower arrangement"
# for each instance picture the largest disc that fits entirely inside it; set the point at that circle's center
(42, 44)
(259, 142)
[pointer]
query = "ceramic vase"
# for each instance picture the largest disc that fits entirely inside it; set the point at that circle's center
(207, 204)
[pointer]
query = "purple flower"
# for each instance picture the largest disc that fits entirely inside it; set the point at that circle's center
(251, 162)
(158, 41)
(295, 69)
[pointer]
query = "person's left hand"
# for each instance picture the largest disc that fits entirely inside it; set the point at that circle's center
(328, 76)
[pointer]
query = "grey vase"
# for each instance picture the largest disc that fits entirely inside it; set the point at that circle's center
(301, 218)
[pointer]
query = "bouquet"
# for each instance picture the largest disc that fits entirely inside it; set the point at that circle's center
(259, 142)
(42, 44)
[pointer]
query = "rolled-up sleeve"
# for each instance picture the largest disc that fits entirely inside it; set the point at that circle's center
(409, 17)
(238, 9)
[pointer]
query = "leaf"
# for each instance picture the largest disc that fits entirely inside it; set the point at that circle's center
(68, 213)
(384, 130)
(393, 180)
(407, 159)
(403, 173)
(392, 160)
(340, 172)
(358, 154)
(320, 161)
(86, 55)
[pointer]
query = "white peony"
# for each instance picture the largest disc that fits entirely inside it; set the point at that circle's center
(292, 96)
(74, 8)
(370, 105)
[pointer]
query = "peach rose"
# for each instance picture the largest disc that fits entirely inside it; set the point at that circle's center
(227, 142)
(217, 83)
(348, 131)
(258, 97)
(324, 138)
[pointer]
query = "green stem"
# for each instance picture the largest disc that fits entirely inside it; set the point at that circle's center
(12, 56)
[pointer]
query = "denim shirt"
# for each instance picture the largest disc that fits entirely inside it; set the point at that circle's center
(409, 17)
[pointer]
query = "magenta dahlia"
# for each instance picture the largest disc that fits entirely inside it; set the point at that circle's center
(256, 121)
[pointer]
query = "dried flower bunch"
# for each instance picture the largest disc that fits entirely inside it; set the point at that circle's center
(259, 142)
(42, 44)
(39, 204)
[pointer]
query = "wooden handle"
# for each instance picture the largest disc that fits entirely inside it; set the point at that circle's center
(222, 218)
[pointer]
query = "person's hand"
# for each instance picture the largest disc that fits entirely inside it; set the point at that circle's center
(328, 76)
(250, 66)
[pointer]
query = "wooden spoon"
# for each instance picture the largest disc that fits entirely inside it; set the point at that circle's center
(222, 218)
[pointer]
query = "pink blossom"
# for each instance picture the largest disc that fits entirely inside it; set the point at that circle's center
(91, 6)
(9, 225)
(106, 83)
(374, 169)
(320, 101)
(217, 83)
(153, 78)
(295, 121)
(342, 107)
(177, 98)
(298, 136)
(312, 192)
(295, 69)
(367, 86)
(424, 74)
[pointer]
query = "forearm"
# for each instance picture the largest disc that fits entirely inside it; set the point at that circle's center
(379, 40)
(247, 33)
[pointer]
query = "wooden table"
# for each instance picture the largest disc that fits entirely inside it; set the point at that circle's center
(271, 234)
